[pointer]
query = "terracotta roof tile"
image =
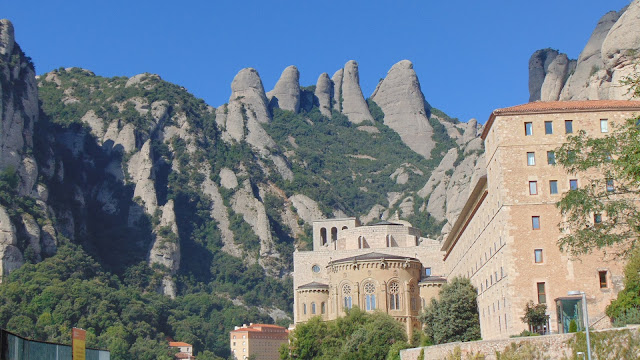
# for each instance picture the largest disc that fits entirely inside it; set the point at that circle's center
(560, 106)
(178, 343)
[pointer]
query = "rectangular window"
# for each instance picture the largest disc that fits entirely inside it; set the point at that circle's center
(535, 222)
(427, 271)
(597, 219)
(551, 157)
(604, 125)
(538, 255)
(573, 184)
(533, 188)
(528, 129)
(542, 295)
(602, 275)
(568, 126)
(548, 127)
(553, 186)
(531, 158)
(610, 187)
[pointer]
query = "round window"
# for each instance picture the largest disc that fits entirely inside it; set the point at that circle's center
(315, 268)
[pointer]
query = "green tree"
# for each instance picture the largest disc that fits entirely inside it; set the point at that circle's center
(535, 315)
(454, 316)
(629, 298)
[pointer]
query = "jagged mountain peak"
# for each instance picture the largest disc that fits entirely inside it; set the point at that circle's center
(7, 37)
(286, 93)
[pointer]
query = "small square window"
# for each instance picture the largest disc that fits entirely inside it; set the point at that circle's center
(538, 255)
(553, 186)
(573, 184)
(551, 158)
(528, 129)
(533, 188)
(548, 127)
(427, 271)
(602, 275)
(535, 222)
(531, 158)
(610, 187)
(604, 125)
(568, 126)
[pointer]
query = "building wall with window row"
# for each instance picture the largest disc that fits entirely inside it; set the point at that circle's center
(505, 240)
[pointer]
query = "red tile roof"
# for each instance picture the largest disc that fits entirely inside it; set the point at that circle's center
(561, 106)
(178, 343)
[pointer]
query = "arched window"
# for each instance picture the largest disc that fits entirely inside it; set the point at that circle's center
(344, 228)
(346, 295)
(394, 295)
(370, 296)
(322, 308)
(334, 234)
(304, 309)
(359, 242)
(323, 236)
(313, 308)
(388, 240)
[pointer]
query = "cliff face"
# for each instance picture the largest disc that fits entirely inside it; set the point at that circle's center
(610, 55)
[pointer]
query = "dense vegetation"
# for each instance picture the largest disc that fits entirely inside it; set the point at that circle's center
(454, 316)
(357, 335)
(45, 300)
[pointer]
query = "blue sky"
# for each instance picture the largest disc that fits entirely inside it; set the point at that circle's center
(470, 56)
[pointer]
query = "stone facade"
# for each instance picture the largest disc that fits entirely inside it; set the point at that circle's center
(505, 239)
(386, 267)
(261, 340)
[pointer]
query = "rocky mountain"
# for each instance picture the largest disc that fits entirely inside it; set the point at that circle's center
(138, 171)
(610, 55)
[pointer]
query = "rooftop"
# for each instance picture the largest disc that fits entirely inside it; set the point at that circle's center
(314, 285)
(542, 107)
(372, 256)
(178, 343)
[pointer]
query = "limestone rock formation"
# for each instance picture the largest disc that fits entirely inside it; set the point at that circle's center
(286, 94)
(219, 211)
(557, 74)
(306, 208)
(166, 248)
(337, 90)
(18, 110)
(324, 93)
(140, 169)
(247, 86)
(10, 255)
(538, 67)
(254, 213)
(405, 110)
(610, 55)
(353, 104)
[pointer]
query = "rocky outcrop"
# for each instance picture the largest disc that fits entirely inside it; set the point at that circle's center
(538, 67)
(405, 110)
(286, 94)
(610, 55)
(324, 93)
(353, 104)
(140, 168)
(219, 211)
(254, 213)
(10, 255)
(306, 208)
(165, 250)
(556, 77)
(247, 87)
(18, 110)
(337, 90)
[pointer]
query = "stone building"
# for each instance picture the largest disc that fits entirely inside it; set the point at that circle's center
(260, 340)
(387, 267)
(505, 239)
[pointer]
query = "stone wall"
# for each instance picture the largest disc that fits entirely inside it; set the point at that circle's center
(549, 346)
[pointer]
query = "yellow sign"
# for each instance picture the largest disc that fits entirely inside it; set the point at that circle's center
(78, 339)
